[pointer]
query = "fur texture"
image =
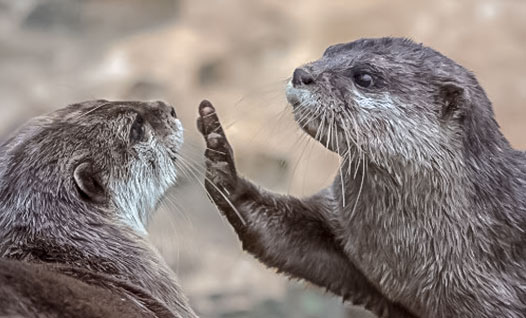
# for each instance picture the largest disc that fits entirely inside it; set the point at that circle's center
(77, 188)
(427, 217)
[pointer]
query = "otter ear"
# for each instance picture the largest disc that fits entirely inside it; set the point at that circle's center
(88, 183)
(452, 98)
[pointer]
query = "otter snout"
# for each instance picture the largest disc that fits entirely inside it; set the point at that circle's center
(167, 108)
(298, 88)
(159, 114)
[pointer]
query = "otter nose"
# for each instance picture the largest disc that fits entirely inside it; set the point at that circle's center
(167, 108)
(301, 77)
(173, 113)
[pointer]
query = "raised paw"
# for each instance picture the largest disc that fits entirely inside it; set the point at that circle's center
(221, 177)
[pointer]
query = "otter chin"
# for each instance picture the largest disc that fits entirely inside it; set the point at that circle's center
(77, 189)
(427, 215)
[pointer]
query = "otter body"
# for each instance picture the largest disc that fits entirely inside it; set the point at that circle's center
(427, 217)
(77, 188)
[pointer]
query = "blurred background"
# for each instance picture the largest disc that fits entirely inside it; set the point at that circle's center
(239, 54)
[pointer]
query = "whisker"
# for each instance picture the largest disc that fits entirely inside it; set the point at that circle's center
(302, 139)
(241, 218)
(361, 187)
(216, 151)
(340, 168)
(94, 109)
(175, 234)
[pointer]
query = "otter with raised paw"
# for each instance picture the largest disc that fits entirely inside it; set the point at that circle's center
(77, 188)
(427, 217)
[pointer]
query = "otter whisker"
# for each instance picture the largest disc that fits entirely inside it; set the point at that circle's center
(303, 139)
(284, 111)
(193, 171)
(267, 89)
(94, 109)
(183, 171)
(174, 233)
(360, 151)
(312, 144)
(334, 129)
(319, 131)
(340, 168)
(243, 221)
(361, 185)
(230, 124)
(241, 218)
(301, 112)
(274, 124)
(349, 140)
(348, 156)
(216, 151)
(192, 150)
(304, 117)
(357, 166)
(179, 210)
(313, 118)
(329, 134)
(348, 118)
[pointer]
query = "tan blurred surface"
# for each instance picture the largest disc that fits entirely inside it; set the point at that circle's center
(239, 54)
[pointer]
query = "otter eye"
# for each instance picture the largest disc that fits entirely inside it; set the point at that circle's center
(364, 80)
(137, 130)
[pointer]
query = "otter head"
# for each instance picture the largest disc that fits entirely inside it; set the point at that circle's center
(108, 157)
(388, 101)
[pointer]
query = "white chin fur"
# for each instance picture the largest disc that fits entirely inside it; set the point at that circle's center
(299, 96)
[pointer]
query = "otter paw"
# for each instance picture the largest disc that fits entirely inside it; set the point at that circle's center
(221, 176)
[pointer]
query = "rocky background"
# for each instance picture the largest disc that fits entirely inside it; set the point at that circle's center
(239, 54)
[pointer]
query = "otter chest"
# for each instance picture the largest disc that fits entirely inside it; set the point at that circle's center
(395, 250)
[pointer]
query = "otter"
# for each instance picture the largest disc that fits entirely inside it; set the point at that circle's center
(427, 215)
(77, 188)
